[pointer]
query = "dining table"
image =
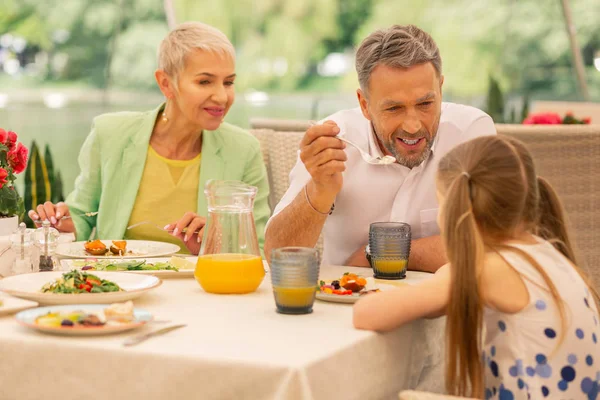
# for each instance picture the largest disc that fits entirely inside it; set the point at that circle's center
(232, 347)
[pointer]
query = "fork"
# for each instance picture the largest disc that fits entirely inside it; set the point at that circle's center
(87, 214)
(158, 227)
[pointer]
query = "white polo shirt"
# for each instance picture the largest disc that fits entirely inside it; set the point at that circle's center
(376, 193)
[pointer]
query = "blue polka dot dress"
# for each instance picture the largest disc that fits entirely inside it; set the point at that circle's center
(521, 357)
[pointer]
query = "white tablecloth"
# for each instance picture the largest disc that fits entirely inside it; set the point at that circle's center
(234, 347)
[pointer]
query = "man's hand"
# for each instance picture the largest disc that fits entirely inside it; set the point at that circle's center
(324, 157)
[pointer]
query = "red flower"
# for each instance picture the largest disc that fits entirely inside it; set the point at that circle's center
(12, 140)
(543, 119)
(3, 136)
(17, 158)
(587, 120)
(3, 175)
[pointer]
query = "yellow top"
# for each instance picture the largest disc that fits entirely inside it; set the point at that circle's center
(168, 189)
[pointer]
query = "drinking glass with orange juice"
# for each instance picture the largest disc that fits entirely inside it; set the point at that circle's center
(229, 260)
(389, 249)
(294, 276)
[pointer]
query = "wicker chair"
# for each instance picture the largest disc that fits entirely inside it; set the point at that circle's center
(263, 136)
(569, 158)
(413, 395)
(280, 151)
(280, 125)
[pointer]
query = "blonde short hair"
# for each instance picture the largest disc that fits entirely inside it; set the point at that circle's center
(400, 46)
(187, 37)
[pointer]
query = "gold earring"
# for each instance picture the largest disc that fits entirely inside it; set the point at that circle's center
(164, 117)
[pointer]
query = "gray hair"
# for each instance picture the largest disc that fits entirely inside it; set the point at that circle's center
(400, 46)
(187, 37)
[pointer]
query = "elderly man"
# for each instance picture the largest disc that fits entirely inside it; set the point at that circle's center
(401, 114)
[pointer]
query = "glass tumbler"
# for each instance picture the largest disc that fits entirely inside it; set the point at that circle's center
(294, 276)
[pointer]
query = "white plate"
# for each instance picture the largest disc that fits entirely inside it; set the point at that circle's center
(353, 298)
(27, 319)
(11, 305)
(69, 264)
(28, 286)
(135, 249)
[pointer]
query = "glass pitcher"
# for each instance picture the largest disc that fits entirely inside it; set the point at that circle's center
(229, 260)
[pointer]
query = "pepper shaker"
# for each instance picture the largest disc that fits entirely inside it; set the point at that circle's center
(46, 240)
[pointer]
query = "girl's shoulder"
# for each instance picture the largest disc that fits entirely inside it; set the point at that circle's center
(502, 286)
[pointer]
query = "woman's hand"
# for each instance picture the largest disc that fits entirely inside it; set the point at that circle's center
(190, 229)
(55, 213)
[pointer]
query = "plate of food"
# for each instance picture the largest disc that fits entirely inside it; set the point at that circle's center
(349, 288)
(120, 249)
(173, 267)
(78, 287)
(85, 319)
(10, 305)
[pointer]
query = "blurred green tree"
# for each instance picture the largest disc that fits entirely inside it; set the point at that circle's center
(280, 42)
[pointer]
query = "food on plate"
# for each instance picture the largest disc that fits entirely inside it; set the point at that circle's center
(347, 285)
(115, 314)
(122, 312)
(98, 248)
(181, 263)
(80, 282)
(118, 247)
(95, 247)
(333, 288)
(125, 265)
(353, 282)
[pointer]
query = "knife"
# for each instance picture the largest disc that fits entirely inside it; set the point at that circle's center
(140, 338)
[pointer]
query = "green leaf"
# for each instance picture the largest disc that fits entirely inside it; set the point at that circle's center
(37, 181)
(9, 201)
(49, 163)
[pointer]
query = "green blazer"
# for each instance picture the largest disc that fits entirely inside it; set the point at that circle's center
(112, 161)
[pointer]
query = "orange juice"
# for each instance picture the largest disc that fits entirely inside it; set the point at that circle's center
(389, 266)
(299, 297)
(229, 273)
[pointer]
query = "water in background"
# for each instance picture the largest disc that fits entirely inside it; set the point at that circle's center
(65, 128)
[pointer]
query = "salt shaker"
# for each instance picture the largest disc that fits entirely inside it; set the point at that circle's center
(46, 239)
(26, 254)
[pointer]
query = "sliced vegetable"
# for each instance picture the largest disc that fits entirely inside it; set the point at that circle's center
(80, 282)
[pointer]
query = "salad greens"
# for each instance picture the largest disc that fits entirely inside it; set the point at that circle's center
(126, 265)
(80, 282)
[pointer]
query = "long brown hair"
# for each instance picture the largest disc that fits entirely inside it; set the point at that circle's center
(491, 190)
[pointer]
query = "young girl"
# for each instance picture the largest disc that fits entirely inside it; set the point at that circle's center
(522, 318)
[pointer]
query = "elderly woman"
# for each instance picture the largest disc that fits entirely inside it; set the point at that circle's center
(152, 166)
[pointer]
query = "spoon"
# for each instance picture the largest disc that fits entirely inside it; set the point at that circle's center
(385, 160)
